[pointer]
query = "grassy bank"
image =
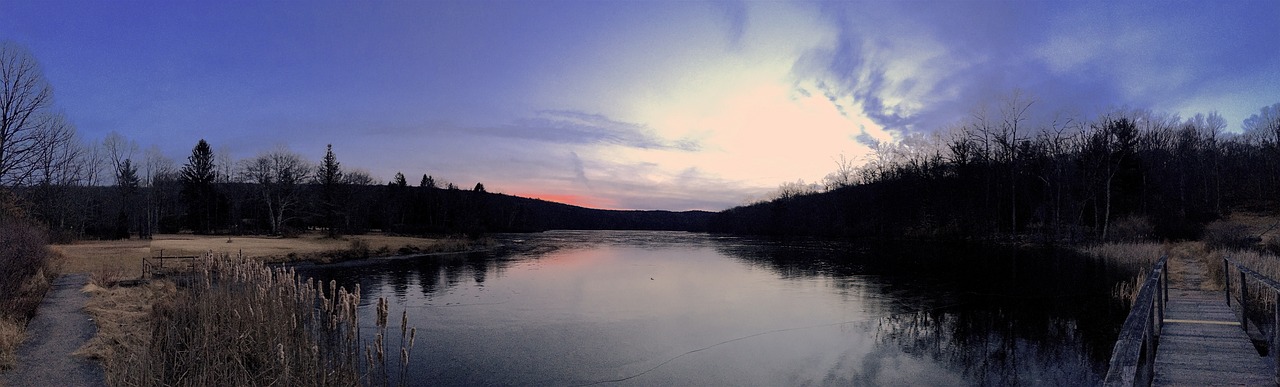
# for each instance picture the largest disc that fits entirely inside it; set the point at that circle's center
(123, 259)
(1141, 255)
(240, 323)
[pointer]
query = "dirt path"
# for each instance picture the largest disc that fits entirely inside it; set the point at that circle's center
(59, 328)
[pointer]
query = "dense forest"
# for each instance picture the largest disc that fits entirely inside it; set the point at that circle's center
(1128, 174)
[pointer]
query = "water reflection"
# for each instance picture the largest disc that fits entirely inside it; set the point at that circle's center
(996, 316)
(643, 308)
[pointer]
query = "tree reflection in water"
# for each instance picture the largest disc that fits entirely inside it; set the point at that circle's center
(998, 316)
(921, 313)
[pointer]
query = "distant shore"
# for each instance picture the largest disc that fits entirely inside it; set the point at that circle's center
(122, 259)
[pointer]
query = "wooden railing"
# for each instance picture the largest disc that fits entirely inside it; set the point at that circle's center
(1243, 298)
(156, 266)
(1134, 356)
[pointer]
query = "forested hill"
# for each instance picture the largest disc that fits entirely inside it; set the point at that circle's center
(1122, 177)
(75, 212)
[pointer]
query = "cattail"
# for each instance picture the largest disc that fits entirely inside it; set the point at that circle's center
(382, 312)
(404, 322)
(413, 334)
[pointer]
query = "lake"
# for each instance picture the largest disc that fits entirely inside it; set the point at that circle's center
(625, 308)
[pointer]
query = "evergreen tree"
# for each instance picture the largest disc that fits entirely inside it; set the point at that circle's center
(127, 182)
(198, 176)
(399, 181)
(127, 178)
(427, 181)
(329, 175)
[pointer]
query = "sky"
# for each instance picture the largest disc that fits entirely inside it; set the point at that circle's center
(672, 105)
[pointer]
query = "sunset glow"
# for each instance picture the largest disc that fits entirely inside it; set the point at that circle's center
(647, 105)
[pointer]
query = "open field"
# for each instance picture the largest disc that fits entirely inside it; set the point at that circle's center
(123, 259)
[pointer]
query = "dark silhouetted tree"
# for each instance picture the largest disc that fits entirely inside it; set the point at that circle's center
(127, 183)
(329, 176)
(399, 181)
(279, 175)
(198, 176)
(37, 144)
(427, 182)
(479, 188)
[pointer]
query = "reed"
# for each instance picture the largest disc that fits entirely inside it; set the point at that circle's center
(238, 322)
(1136, 256)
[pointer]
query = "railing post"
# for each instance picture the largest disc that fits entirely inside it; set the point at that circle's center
(1274, 351)
(1157, 313)
(1226, 278)
(1165, 272)
(1244, 303)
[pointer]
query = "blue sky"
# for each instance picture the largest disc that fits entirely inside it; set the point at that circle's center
(639, 104)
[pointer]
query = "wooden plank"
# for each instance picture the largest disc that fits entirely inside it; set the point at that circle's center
(1204, 345)
(1209, 322)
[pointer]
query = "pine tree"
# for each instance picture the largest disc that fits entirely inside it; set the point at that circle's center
(127, 177)
(127, 182)
(198, 176)
(329, 175)
(330, 172)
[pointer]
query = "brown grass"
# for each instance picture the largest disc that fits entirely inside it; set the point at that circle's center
(1138, 256)
(122, 260)
(239, 323)
(11, 335)
(123, 257)
(123, 316)
(311, 247)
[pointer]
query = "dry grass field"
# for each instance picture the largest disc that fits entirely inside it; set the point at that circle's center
(123, 259)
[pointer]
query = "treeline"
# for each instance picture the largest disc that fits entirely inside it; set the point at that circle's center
(281, 193)
(1125, 175)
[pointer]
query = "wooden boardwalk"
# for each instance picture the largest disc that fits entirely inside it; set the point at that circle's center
(1201, 343)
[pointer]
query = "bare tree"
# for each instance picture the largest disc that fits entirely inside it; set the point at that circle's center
(30, 132)
(278, 174)
(118, 149)
(846, 174)
(226, 170)
(359, 177)
(1264, 127)
(58, 160)
(92, 158)
(795, 189)
(1013, 114)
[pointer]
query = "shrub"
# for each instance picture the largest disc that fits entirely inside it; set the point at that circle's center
(1131, 229)
(359, 248)
(26, 270)
(1223, 234)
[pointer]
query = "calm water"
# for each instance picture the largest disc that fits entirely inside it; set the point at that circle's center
(662, 308)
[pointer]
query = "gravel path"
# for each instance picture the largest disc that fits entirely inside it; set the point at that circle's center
(59, 328)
